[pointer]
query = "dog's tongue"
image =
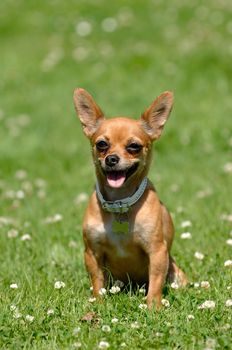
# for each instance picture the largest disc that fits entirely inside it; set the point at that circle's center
(116, 178)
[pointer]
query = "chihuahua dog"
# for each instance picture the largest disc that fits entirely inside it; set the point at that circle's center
(127, 231)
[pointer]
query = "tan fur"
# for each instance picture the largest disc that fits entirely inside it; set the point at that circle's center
(142, 254)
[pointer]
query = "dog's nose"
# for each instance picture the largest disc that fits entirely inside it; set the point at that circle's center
(112, 160)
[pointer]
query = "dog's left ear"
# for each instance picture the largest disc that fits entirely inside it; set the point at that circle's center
(154, 118)
(88, 111)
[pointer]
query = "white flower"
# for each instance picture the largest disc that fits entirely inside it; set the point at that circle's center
(186, 235)
(175, 285)
(135, 325)
(109, 24)
(106, 328)
(229, 242)
(84, 28)
(77, 345)
(92, 300)
(114, 289)
(143, 306)
(76, 330)
(21, 174)
(205, 284)
(14, 286)
(81, 198)
(13, 307)
(59, 285)
(142, 290)
(50, 312)
(199, 256)
(196, 285)
(102, 291)
(29, 318)
(26, 237)
(165, 302)
(114, 320)
(228, 168)
(20, 194)
(229, 303)
(190, 317)
(12, 233)
(123, 345)
(228, 263)
(103, 345)
(208, 304)
(229, 287)
(186, 223)
(53, 219)
(17, 314)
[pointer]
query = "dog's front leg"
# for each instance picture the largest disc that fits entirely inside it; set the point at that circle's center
(94, 268)
(158, 267)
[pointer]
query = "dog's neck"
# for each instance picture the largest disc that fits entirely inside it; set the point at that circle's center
(122, 204)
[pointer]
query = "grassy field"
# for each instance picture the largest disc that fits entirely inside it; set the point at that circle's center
(125, 53)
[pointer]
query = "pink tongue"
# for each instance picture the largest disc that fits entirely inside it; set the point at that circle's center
(116, 179)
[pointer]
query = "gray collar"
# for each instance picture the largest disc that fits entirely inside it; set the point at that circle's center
(122, 205)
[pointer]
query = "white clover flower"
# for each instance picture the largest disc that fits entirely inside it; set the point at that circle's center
(109, 24)
(190, 317)
(229, 287)
(76, 330)
(40, 183)
(13, 308)
(186, 235)
(106, 328)
(14, 286)
(229, 242)
(186, 223)
(123, 345)
(228, 302)
(228, 263)
(92, 300)
(199, 256)
(50, 312)
(196, 285)
(20, 194)
(103, 345)
(26, 237)
(114, 320)
(17, 314)
(135, 325)
(114, 289)
(59, 285)
(165, 302)
(83, 28)
(205, 284)
(143, 306)
(175, 285)
(12, 233)
(29, 318)
(77, 345)
(21, 174)
(53, 219)
(142, 290)
(208, 304)
(81, 198)
(102, 291)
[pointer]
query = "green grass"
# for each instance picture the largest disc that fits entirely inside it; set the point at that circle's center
(179, 45)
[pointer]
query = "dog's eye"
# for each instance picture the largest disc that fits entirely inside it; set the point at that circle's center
(134, 147)
(102, 145)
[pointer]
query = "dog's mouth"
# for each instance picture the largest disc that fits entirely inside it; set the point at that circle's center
(116, 178)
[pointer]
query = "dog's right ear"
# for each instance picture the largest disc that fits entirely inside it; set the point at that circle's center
(88, 111)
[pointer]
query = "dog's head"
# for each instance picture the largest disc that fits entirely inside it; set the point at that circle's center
(121, 146)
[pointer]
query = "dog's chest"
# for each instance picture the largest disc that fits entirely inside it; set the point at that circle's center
(119, 236)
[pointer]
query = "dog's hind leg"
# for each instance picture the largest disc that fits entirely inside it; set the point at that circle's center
(175, 274)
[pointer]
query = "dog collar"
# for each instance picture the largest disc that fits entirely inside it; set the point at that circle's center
(122, 205)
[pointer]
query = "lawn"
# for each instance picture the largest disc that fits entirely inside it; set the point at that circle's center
(124, 53)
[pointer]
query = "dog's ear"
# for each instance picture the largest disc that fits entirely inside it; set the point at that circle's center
(88, 111)
(154, 118)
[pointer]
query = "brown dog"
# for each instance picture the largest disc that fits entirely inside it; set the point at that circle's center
(127, 231)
